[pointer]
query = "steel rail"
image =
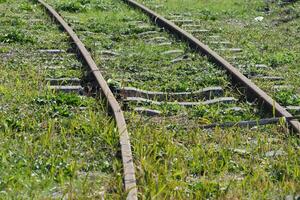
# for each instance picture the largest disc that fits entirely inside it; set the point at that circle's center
(127, 159)
(252, 89)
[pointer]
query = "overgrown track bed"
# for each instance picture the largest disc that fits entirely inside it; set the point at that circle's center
(174, 157)
(56, 141)
(251, 90)
(259, 38)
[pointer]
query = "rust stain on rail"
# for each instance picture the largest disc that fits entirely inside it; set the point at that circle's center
(235, 73)
(128, 166)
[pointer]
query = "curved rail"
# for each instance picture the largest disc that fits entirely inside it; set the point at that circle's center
(128, 166)
(252, 89)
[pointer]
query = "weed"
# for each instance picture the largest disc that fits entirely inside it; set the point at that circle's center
(287, 98)
(16, 36)
(73, 6)
(50, 146)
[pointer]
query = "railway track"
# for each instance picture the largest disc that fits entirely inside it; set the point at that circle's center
(238, 78)
(129, 174)
(270, 79)
(149, 98)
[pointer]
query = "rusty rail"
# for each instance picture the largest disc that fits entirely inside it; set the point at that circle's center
(252, 89)
(128, 166)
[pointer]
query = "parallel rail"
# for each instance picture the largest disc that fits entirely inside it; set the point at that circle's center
(128, 166)
(251, 88)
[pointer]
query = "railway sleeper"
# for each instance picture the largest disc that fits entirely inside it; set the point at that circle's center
(152, 113)
(182, 21)
(172, 52)
(147, 112)
(195, 31)
(68, 88)
(144, 27)
(214, 36)
(52, 51)
(270, 78)
(192, 26)
(234, 58)
(235, 109)
(54, 67)
(293, 109)
(58, 58)
(233, 50)
(158, 6)
(107, 58)
(224, 43)
(109, 53)
(263, 66)
(157, 40)
(282, 87)
(176, 17)
(165, 44)
(136, 22)
(205, 93)
(180, 59)
(63, 81)
(257, 66)
(244, 124)
(221, 100)
(147, 34)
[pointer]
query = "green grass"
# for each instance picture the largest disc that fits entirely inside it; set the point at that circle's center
(274, 41)
(51, 148)
(142, 65)
(53, 145)
(174, 160)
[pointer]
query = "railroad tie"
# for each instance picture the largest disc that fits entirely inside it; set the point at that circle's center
(192, 26)
(156, 40)
(214, 36)
(109, 53)
(147, 112)
(257, 66)
(153, 113)
(182, 21)
(147, 33)
(263, 66)
(294, 109)
(54, 67)
(63, 81)
(234, 58)
(164, 44)
(180, 59)
(52, 51)
(243, 124)
(172, 52)
(234, 109)
(68, 88)
(158, 6)
(223, 100)
(220, 42)
(144, 27)
(282, 87)
(233, 50)
(137, 22)
(205, 93)
(195, 31)
(270, 78)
